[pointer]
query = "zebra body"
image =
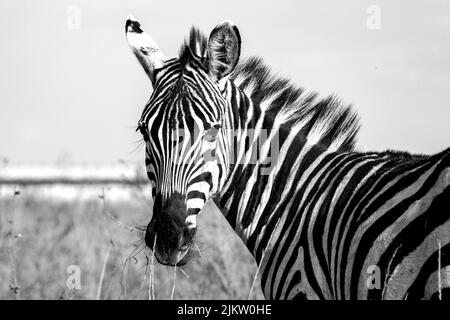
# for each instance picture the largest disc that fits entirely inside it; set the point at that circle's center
(322, 220)
(319, 238)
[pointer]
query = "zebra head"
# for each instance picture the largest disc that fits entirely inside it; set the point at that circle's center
(181, 126)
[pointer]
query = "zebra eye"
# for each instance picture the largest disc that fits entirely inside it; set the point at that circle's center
(142, 128)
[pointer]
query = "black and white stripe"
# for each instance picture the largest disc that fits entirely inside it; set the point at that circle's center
(315, 213)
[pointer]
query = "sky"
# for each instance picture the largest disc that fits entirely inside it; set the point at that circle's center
(72, 91)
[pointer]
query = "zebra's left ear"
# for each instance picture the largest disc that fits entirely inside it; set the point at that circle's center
(224, 48)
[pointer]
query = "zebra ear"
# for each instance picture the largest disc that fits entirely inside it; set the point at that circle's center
(224, 48)
(144, 48)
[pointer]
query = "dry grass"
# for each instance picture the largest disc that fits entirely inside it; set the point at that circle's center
(12, 236)
(101, 237)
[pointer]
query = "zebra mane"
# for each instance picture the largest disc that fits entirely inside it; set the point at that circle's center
(325, 121)
(194, 47)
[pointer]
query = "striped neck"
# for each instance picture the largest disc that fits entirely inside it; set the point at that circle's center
(265, 145)
(257, 144)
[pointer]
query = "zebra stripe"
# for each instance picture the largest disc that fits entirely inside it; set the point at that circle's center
(315, 213)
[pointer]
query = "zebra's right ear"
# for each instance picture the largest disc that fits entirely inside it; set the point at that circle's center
(144, 48)
(224, 48)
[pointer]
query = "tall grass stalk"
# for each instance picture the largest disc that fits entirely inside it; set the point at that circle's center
(12, 236)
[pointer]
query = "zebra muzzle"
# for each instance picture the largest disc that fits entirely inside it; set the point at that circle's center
(170, 236)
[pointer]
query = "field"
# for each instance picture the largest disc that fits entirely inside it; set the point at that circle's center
(51, 234)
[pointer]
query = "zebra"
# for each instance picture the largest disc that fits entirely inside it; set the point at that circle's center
(322, 219)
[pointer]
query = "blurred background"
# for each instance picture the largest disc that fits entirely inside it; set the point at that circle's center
(72, 93)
